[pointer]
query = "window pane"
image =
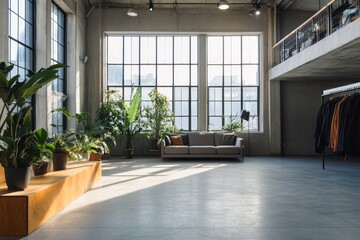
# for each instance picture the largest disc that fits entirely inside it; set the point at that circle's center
(215, 50)
(131, 75)
(215, 74)
(116, 46)
(165, 75)
(194, 124)
(181, 93)
(252, 107)
(181, 49)
(115, 75)
(250, 75)
(250, 49)
(145, 91)
(194, 50)
(165, 49)
(147, 75)
(215, 94)
(131, 50)
(181, 75)
(13, 25)
(232, 75)
(194, 93)
(250, 93)
(232, 50)
(194, 111)
(215, 123)
(148, 49)
(167, 91)
(194, 75)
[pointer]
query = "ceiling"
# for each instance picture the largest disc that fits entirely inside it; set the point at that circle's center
(177, 3)
(302, 5)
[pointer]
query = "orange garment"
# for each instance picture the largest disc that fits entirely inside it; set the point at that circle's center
(334, 130)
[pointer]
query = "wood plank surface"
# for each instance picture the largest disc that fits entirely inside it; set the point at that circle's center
(2, 175)
(45, 196)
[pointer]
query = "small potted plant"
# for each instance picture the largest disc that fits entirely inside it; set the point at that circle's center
(159, 118)
(98, 149)
(233, 125)
(62, 145)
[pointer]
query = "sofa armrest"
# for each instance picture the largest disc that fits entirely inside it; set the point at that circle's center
(240, 143)
(162, 146)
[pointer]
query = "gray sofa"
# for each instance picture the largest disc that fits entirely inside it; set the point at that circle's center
(204, 145)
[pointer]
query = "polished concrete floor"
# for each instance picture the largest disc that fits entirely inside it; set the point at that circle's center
(260, 198)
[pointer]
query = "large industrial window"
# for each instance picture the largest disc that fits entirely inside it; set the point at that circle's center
(168, 63)
(233, 79)
(58, 55)
(21, 37)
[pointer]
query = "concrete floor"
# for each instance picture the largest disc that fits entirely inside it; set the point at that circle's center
(261, 198)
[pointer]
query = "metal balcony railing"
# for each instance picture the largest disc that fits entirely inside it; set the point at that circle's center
(323, 23)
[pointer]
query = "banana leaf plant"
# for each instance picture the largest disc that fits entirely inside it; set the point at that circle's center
(130, 119)
(20, 146)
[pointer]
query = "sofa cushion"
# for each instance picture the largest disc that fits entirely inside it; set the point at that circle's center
(228, 150)
(228, 139)
(201, 139)
(177, 149)
(176, 140)
(202, 150)
(218, 138)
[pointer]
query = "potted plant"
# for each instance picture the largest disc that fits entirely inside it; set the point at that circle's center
(159, 118)
(20, 146)
(98, 149)
(129, 124)
(62, 145)
(109, 114)
(233, 125)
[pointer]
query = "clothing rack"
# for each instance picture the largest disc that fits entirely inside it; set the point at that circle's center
(334, 91)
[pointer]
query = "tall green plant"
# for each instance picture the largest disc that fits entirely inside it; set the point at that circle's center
(19, 144)
(159, 116)
(130, 118)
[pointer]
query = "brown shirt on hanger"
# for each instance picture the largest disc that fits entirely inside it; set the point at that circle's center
(334, 130)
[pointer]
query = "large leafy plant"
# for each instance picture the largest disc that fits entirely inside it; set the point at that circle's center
(129, 124)
(19, 144)
(159, 116)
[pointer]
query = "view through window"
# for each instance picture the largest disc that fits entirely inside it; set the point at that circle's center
(170, 64)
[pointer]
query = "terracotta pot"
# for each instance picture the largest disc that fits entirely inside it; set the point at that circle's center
(95, 156)
(40, 169)
(60, 161)
(17, 178)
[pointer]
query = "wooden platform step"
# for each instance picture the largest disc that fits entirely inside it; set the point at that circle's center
(23, 211)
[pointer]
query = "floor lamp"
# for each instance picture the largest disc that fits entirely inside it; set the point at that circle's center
(245, 115)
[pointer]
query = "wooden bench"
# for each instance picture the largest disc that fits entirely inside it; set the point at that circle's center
(21, 212)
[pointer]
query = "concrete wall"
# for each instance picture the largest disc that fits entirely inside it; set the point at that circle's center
(290, 20)
(187, 21)
(300, 102)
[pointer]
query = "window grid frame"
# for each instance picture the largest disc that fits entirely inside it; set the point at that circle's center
(242, 87)
(55, 92)
(27, 67)
(122, 86)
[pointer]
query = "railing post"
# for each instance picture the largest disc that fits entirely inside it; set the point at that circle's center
(329, 23)
(296, 41)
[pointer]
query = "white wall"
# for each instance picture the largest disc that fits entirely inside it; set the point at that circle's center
(197, 21)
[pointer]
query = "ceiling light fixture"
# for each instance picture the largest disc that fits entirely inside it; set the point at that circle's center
(132, 12)
(257, 9)
(223, 5)
(151, 5)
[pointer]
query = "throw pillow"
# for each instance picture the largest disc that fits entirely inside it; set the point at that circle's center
(228, 139)
(176, 140)
(185, 137)
(167, 140)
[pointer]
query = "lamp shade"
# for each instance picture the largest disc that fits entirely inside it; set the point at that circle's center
(245, 115)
